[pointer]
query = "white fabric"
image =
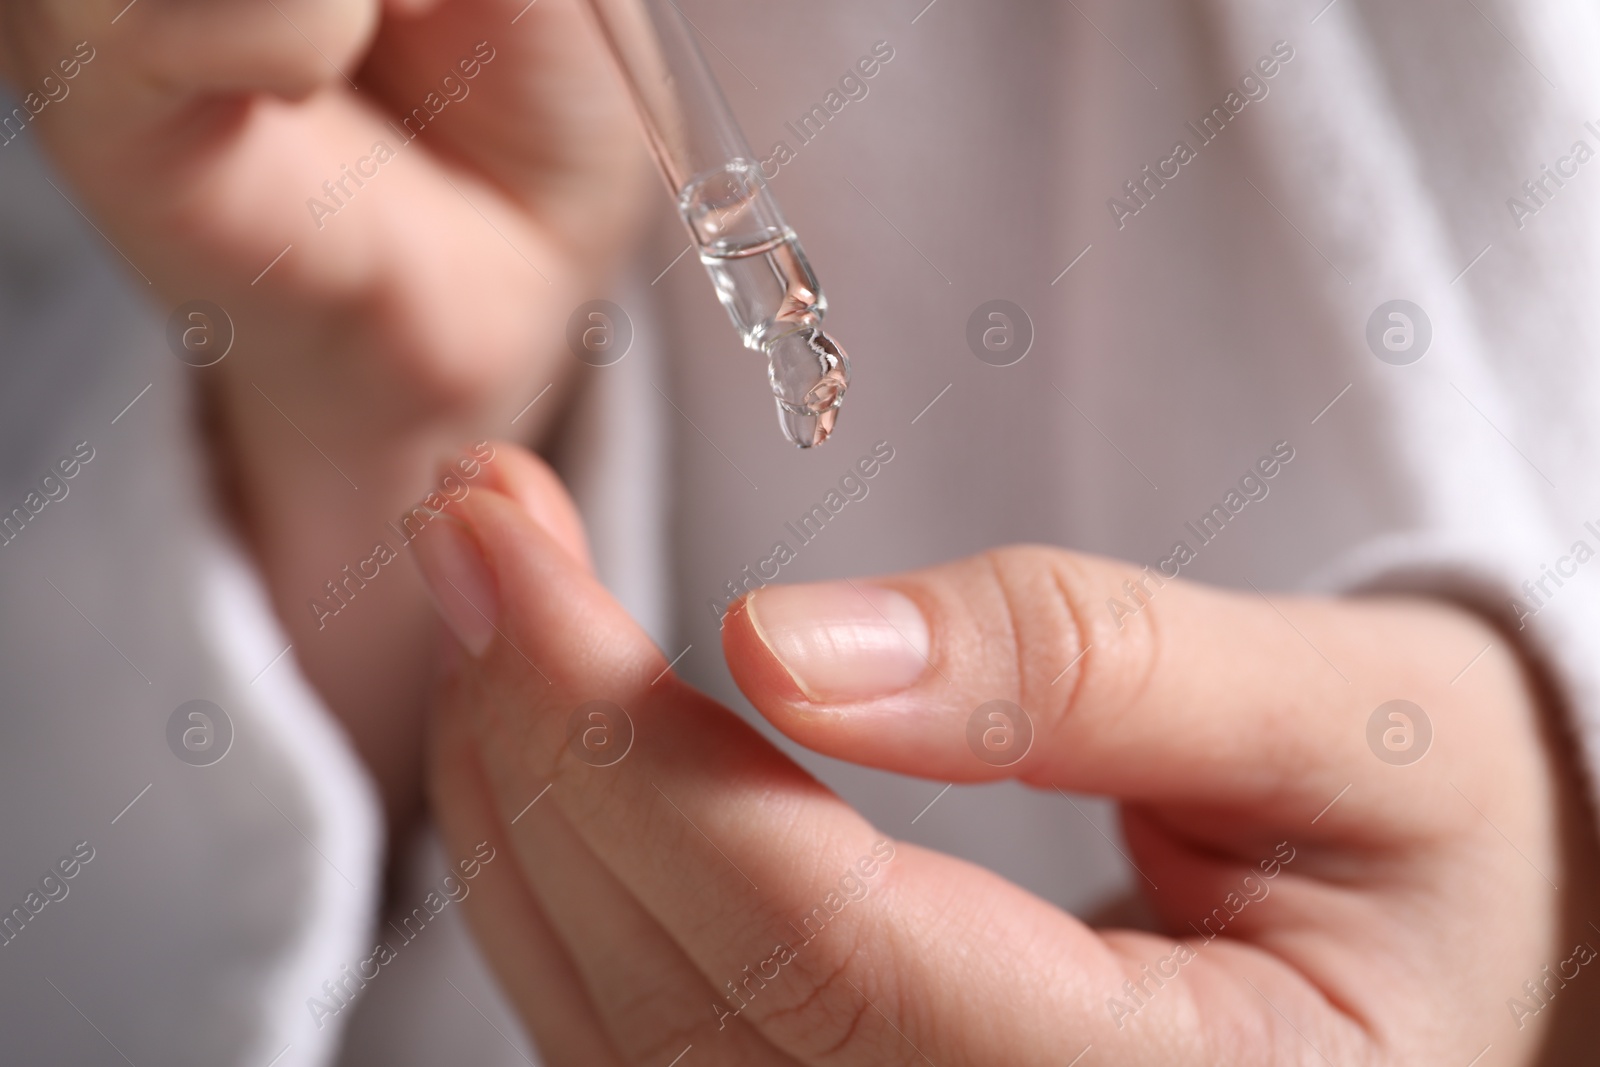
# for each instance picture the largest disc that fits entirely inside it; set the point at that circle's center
(1221, 319)
(225, 894)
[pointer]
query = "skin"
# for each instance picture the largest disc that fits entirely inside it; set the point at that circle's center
(1393, 930)
(417, 319)
(426, 313)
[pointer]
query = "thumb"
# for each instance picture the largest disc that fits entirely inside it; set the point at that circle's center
(1082, 672)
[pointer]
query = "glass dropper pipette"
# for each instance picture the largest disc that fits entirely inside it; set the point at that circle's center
(753, 257)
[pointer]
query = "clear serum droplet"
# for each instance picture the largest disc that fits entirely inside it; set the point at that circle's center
(809, 374)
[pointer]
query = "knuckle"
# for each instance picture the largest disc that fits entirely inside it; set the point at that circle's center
(1085, 630)
(1044, 611)
(651, 1017)
(828, 1020)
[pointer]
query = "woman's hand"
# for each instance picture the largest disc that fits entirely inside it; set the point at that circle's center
(398, 206)
(678, 887)
(421, 276)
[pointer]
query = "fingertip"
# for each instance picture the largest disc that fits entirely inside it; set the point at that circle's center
(470, 545)
(562, 638)
(458, 575)
(840, 643)
(845, 730)
(758, 673)
(529, 482)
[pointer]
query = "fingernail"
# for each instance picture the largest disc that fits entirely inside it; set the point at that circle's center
(458, 576)
(842, 642)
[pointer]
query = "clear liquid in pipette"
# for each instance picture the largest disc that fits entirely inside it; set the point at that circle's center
(764, 281)
(807, 371)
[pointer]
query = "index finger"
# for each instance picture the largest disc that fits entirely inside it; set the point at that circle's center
(1069, 670)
